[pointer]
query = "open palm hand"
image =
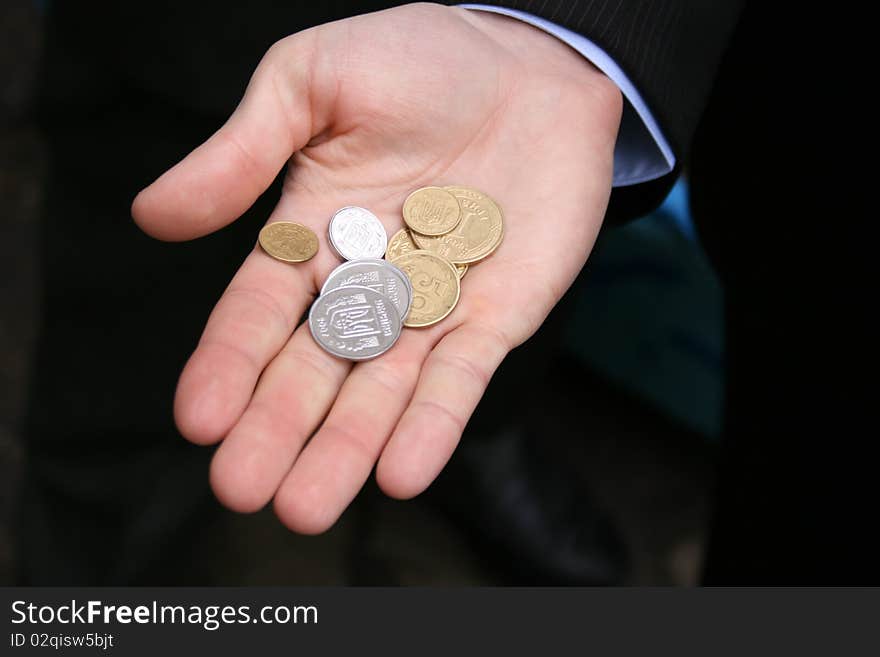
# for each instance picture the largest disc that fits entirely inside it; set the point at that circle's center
(363, 111)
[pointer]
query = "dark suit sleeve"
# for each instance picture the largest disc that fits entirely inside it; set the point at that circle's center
(669, 49)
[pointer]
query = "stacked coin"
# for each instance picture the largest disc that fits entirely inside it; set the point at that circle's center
(448, 229)
(360, 312)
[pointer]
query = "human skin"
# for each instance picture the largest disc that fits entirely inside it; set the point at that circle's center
(362, 111)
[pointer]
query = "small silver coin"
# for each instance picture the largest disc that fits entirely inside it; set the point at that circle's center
(357, 233)
(356, 323)
(378, 275)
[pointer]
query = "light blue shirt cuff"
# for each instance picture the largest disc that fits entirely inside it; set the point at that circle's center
(642, 153)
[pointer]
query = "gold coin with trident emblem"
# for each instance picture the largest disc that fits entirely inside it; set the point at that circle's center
(431, 211)
(435, 286)
(477, 234)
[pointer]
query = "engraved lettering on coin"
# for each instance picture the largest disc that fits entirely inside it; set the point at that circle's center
(288, 241)
(378, 275)
(357, 233)
(356, 323)
(477, 235)
(435, 284)
(431, 211)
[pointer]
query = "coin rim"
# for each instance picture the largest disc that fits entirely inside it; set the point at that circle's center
(457, 286)
(406, 220)
(333, 242)
(279, 258)
(399, 324)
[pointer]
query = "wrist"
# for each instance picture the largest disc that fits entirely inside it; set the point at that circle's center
(548, 57)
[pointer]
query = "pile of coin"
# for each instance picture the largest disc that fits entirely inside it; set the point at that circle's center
(366, 300)
(447, 229)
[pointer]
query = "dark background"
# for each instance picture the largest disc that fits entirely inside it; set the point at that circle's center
(651, 472)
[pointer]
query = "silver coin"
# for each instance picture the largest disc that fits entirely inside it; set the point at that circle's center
(357, 233)
(378, 275)
(355, 322)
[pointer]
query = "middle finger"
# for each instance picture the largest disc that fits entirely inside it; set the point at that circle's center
(335, 464)
(293, 396)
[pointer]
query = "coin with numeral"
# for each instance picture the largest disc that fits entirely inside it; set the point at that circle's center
(435, 285)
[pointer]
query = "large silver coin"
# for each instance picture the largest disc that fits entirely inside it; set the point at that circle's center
(356, 323)
(357, 233)
(378, 275)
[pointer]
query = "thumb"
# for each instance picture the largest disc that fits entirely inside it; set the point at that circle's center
(221, 179)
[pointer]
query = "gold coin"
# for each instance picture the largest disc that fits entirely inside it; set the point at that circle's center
(435, 285)
(431, 211)
(477, 235)
(401, 242)
(288, 241)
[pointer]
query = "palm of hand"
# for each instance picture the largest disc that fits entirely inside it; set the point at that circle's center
(372, 108)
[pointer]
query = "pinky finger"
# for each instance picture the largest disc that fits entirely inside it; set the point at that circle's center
(451, 384)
